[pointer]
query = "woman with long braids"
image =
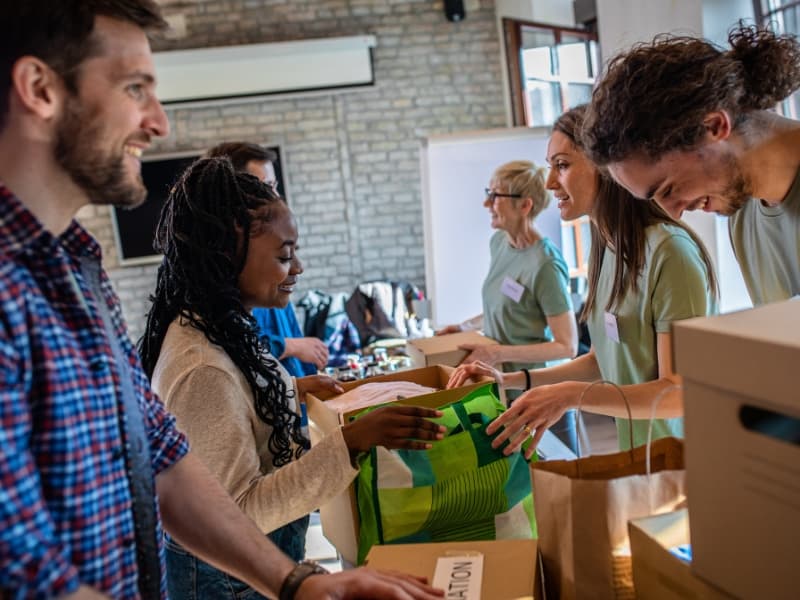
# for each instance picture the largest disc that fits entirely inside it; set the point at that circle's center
(229, 244)
(646, 271)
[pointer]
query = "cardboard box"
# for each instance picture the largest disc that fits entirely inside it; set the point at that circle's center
(443, 349)
(657, 573)
(510, 570)
(742, 424)
(339, 517)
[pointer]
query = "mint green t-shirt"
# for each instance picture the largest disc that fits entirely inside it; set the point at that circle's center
(541, 272)
(673, 285)
(766, 241)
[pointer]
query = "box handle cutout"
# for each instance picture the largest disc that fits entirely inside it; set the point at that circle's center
(770, 423)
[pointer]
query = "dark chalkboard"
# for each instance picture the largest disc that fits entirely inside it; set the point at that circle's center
(134, 230)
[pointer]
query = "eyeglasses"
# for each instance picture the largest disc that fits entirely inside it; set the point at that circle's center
(491, 195)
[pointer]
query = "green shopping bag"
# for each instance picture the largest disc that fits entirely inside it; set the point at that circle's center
(462, 489)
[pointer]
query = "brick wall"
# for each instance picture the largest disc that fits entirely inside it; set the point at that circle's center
(351, 158)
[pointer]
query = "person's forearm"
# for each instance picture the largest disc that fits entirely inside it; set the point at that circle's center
(201, 516)
(84, 593)
(535, 353)
(472, 324)
(583, 368)
(605, 399)
(296, 489)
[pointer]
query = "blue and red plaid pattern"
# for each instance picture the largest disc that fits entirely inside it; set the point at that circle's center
(65, 503)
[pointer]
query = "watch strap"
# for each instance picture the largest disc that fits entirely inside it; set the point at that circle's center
(298, 575)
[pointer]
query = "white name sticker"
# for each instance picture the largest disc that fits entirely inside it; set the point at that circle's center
(612, 330)
(459, 576)
(512, 289)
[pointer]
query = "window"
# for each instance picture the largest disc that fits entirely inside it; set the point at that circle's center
(576, 238)
(551, 69)
(784, 16)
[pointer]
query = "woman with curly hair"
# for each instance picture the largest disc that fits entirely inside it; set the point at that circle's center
(229, 244)
(646, 271)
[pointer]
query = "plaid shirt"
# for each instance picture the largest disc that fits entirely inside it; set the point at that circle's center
(65, 503)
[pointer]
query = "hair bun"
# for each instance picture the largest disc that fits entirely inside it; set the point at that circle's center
(770, 65)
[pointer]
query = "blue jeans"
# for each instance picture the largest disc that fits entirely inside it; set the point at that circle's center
(189, 578)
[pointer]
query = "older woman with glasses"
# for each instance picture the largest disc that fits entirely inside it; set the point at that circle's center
(527, 306)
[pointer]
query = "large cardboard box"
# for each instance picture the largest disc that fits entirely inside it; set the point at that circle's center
(509, 572)
(742, 431)
(339, 517)
(658, 574)
(443, 349)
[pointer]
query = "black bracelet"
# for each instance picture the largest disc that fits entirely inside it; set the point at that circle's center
(298, 575)
(527, 379)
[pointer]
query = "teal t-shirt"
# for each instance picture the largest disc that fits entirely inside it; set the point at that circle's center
(540, 273)
(766, 241)
(673, 285)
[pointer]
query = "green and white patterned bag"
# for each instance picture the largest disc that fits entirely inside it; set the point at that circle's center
(461, 489)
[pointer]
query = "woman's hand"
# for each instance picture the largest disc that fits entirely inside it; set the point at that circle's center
(464, 373)
(317, 383)
(448, 329)
(394, 426)
(486, 353)
(532, 413)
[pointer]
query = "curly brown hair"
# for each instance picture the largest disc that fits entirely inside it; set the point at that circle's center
(654, 98)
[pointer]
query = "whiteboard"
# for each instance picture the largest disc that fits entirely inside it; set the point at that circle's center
(455, 169)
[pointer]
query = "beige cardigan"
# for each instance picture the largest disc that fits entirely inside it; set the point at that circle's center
(213, 405)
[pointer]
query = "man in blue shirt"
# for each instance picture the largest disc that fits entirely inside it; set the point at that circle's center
(300, 355)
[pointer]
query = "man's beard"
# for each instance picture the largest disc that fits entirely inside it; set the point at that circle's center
(738, 191)
(101, 176)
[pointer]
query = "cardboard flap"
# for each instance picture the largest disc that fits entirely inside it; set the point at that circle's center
(666, 454)
(510, 569)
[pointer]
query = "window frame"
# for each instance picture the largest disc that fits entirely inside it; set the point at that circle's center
(766, 16)
(512, 38)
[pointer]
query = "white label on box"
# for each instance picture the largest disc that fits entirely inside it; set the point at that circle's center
(459, 576)
(512, 289)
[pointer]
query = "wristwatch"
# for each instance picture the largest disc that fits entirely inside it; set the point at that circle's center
(298, 575)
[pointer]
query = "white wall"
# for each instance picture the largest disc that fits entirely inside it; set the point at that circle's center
(553, 12)
(621, 23)
(721, 15)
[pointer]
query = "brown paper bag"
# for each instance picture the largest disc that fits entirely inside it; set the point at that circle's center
(583, 507)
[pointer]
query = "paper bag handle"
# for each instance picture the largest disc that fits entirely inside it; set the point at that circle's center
(653, 407)
(579, 417)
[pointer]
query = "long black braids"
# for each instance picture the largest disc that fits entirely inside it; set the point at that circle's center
(204, 232)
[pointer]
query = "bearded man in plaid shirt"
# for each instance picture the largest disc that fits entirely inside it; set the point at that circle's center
(91, 464)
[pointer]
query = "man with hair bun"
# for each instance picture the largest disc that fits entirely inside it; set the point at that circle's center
(690, 125)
